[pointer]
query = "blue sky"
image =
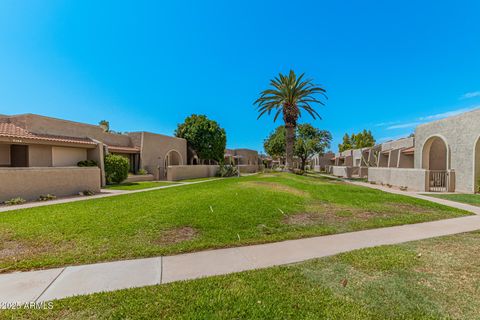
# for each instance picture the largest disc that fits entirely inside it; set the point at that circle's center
(146, 65)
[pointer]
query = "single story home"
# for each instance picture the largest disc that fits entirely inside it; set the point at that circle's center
(247, 160)
(442, 156)
(39, 155)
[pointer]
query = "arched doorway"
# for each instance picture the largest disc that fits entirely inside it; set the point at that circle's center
(173, 158)
(435, 159)
(476, 167)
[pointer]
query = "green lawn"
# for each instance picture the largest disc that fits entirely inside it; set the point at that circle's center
(430, 279)
(220, 213)
(138, 185)
(473, 199)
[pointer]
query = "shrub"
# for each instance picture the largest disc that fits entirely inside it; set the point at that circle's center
(87, 193)
(15, 201)
(300, 172)
(116, 168)
(142, 172)
(227, 170)
(46, 197)
(87, 163)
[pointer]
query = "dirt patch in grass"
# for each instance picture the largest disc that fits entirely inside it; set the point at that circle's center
(176, 235)
(13, 251)
(407, 207)
(343, 212)
(275, 187)
(302, 219)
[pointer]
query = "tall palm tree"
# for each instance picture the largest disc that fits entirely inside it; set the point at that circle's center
(288, 96)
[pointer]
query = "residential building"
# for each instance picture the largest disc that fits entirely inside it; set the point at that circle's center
(39, 155)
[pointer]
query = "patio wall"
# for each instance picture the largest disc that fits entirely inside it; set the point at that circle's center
(341, 171)
(175, 173)
(248, 168)
(413, 179)
(30, 183)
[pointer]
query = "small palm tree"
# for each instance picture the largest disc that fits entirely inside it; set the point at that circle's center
(288, 96)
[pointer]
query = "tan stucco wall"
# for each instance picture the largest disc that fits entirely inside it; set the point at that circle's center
(248, 168)
(4, 155)
(45, 125)
(30, 183)
(154, 148)
(65, 157)
(413, 179)
(191, 172)
(398, 144)
(461, 133)
(342, 171)
(39, 155)
(248, 156)
(406, 160)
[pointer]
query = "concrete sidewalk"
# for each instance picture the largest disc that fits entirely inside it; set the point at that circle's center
(59, 283)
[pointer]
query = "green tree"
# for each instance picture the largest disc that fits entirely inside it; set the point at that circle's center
(287, 96)
(346, 144)
(310, 141)
(205, 136)
(274, 145)
(362, 139)
(105, 125)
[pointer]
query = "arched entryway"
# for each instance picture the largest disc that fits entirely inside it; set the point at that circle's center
(173, 158)
(476, 167)
(435, 159)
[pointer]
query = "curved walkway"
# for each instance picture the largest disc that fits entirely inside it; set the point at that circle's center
(45, 285)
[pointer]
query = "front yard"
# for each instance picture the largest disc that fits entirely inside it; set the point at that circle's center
(430, 279)
(220, 213)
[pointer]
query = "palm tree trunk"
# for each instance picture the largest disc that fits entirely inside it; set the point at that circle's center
(289, 146)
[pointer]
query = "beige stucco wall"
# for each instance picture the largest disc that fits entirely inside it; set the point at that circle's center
(154, 148)
(39, 155)
(248, 168)
(30, 183)
(46, 125)
(322, 162)
(461, 134)
(398, 144)
(191, 172)
(65, 157)
(342, 171)
(413, 179)
(4, 155)
(248, 156)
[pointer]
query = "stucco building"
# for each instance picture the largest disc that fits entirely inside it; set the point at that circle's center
(39, 155)
(247, 160)
(443, 156)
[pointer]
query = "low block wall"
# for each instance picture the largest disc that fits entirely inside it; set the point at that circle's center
(341, 171)
(175, 173)
(30, 183)
(413, 179)
(139, 177)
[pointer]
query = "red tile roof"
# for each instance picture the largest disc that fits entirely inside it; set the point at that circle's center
(11, 130)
